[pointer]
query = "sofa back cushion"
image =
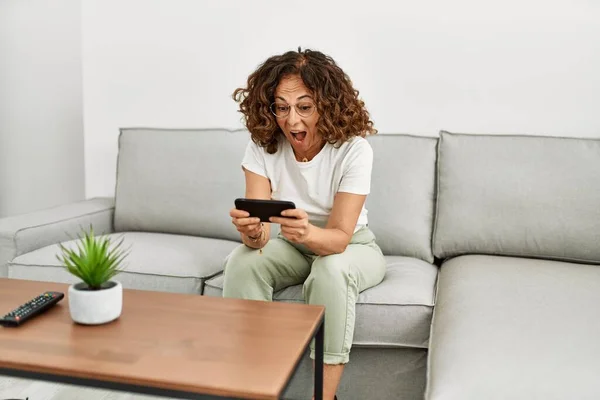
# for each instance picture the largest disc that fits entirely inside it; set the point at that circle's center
(181, 181)
(525, 196)
(184, 181)
(401, 203)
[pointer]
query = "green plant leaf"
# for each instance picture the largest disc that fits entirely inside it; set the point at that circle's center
(95, 260)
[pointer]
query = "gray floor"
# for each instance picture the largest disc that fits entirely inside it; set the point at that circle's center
(13, 388)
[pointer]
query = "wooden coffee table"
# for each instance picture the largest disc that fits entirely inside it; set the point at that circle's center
(164, 344)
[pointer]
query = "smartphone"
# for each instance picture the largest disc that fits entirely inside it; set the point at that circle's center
(263, 209)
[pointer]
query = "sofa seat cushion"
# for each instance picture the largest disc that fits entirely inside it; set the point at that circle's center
(157, 261)
(514, 328)
(395, 313)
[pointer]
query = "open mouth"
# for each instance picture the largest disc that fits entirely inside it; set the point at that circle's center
(299, 136)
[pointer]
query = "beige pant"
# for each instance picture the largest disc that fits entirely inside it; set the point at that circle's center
(333, 281)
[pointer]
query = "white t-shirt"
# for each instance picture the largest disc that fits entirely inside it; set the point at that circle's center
(312, 185)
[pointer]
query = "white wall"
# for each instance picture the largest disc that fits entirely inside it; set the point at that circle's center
(41, 121)
(511, 67)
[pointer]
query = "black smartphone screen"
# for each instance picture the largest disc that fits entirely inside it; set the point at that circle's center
(263, 209)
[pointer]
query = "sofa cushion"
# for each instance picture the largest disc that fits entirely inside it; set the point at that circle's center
(180, 181)
(156, 261)
(395, 313)
(402, 199)
(524, 196)
(513, 328)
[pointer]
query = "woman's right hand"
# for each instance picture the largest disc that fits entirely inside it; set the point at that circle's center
(246, 225)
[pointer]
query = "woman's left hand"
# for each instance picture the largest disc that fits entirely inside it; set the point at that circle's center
(294, 225)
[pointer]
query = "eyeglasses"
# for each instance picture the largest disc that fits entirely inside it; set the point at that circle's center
(304, 109)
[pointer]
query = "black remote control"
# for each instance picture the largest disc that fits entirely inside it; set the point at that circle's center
(30, 309)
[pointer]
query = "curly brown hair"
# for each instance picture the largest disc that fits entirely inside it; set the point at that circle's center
(342, 114)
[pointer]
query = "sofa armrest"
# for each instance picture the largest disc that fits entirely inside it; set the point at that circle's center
(21, 234)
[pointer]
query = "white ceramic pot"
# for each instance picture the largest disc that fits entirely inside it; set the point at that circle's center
(95, 307)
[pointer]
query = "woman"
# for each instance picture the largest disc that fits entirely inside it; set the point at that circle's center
(307, 128)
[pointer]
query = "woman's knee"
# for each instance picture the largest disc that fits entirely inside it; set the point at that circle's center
(243, 262)
(330, 271)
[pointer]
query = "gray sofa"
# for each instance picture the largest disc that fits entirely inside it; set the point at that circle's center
(501, 233)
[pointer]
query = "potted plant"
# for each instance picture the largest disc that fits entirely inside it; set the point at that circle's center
(97, 298)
